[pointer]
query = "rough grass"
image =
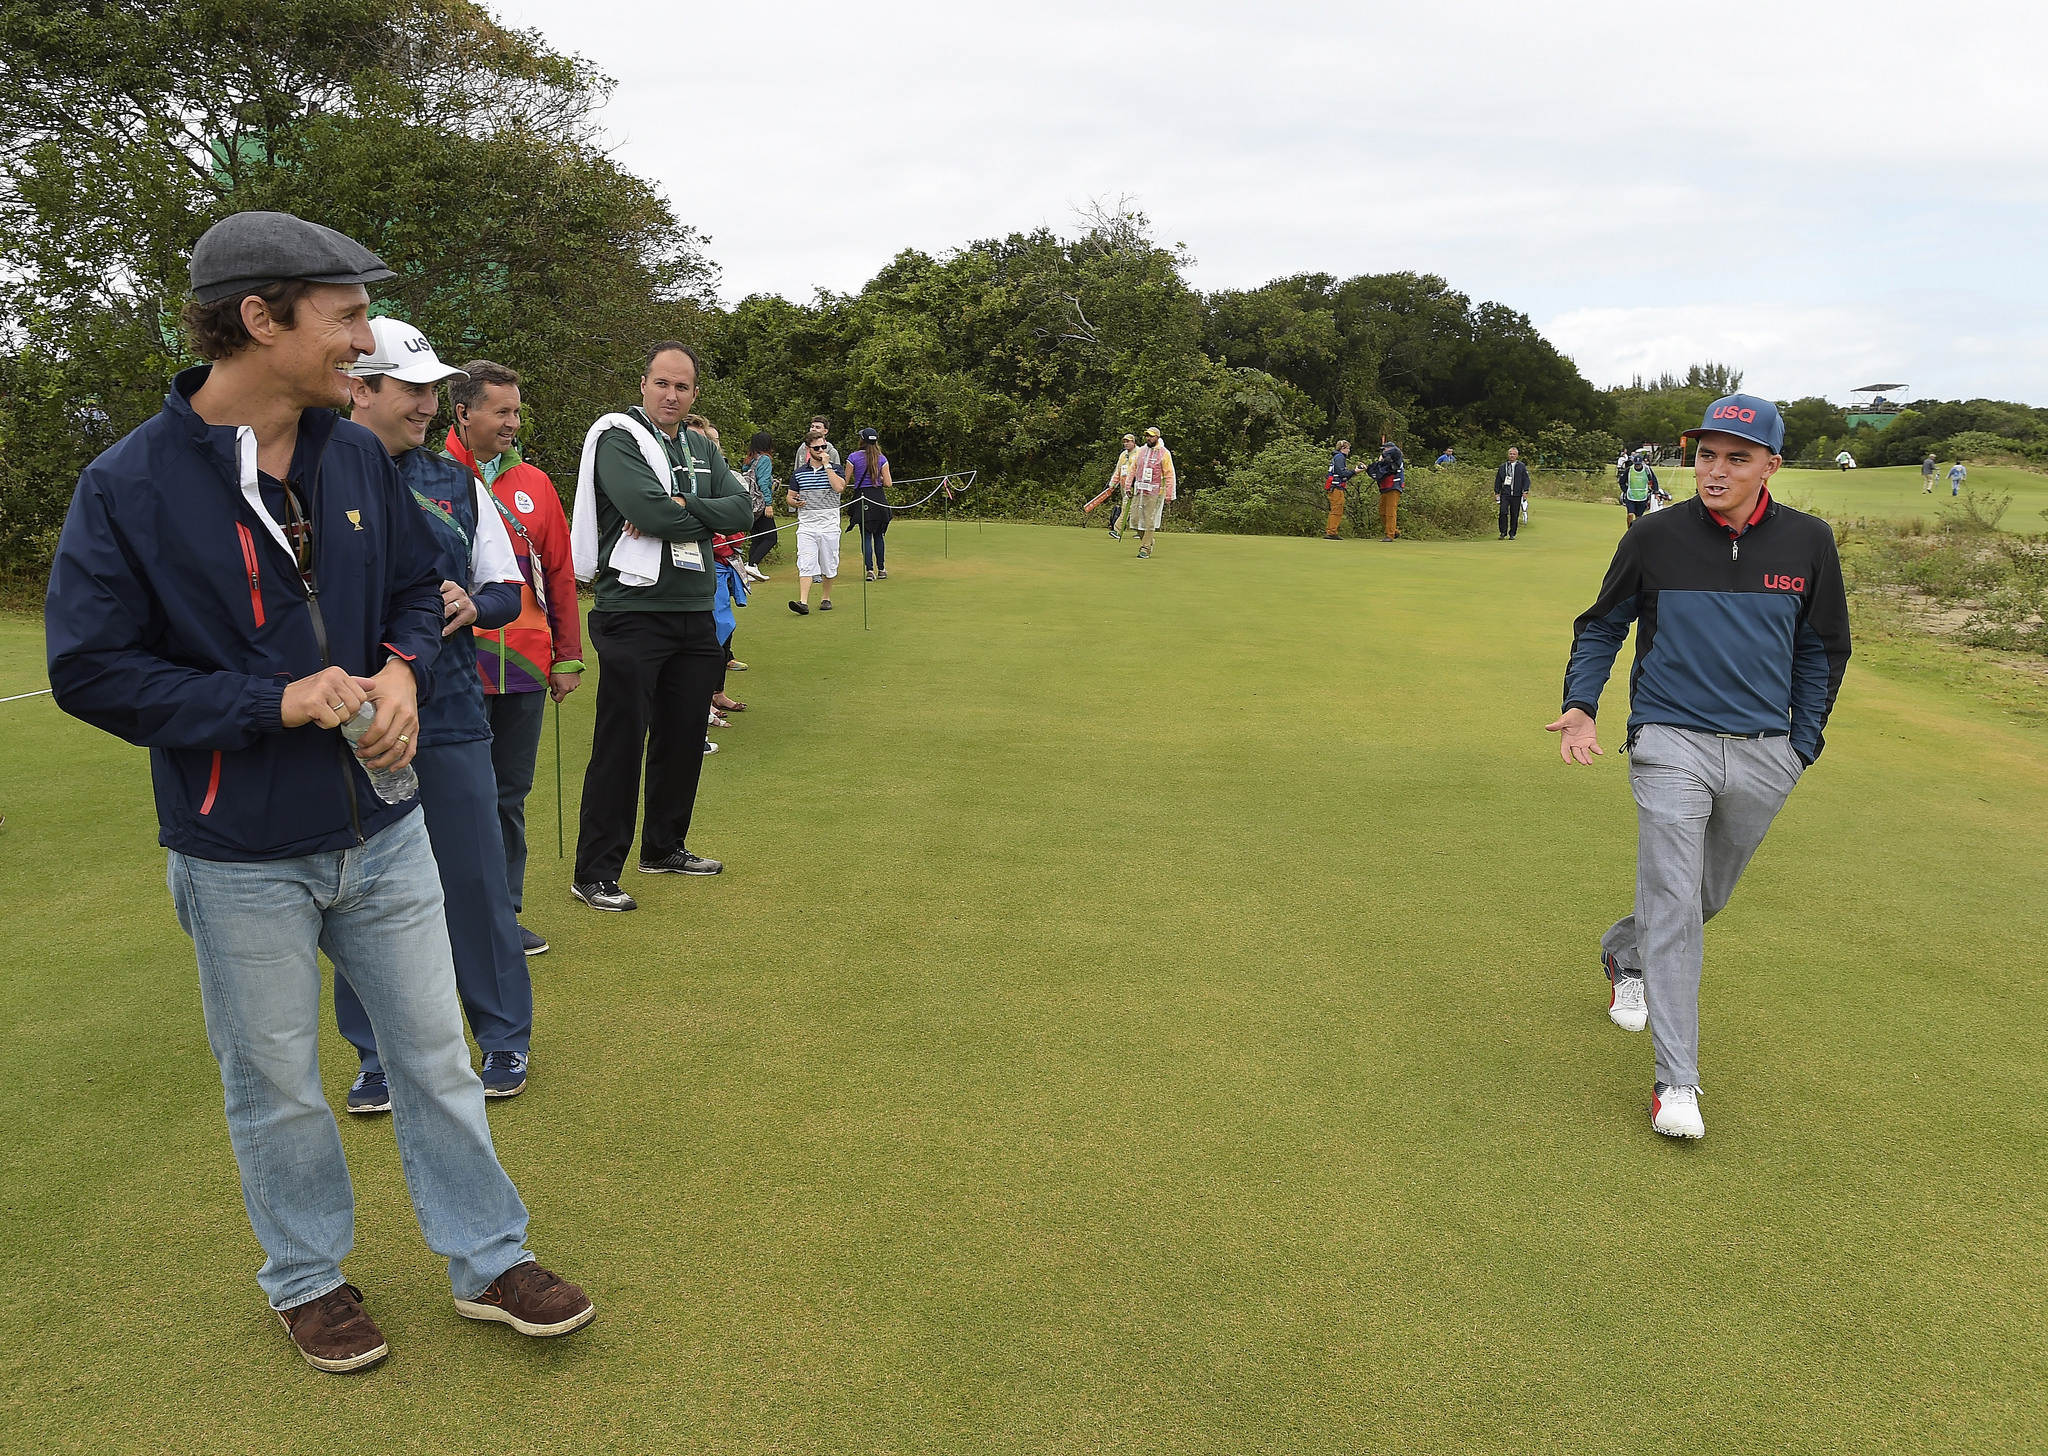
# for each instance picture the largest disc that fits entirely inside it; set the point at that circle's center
(1152, 1006)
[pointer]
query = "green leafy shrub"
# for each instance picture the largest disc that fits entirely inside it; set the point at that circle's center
(1279, 493)
(1452, 503)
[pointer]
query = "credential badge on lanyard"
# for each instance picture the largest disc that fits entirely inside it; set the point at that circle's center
(686, 554)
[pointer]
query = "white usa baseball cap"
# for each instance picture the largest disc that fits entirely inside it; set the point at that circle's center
(403, 353)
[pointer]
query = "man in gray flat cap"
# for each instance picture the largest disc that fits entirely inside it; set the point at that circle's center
(237, 579)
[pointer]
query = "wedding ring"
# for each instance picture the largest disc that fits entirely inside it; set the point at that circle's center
(402, 738)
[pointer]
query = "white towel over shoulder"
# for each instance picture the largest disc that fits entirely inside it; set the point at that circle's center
(637, 560)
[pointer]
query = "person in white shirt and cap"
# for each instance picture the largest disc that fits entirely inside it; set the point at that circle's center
(396, 395)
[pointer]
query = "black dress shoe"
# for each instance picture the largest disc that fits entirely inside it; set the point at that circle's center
(800, 609)
(682, 862)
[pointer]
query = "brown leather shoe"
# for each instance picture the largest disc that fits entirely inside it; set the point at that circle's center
(333, 1333)
(532, 1301)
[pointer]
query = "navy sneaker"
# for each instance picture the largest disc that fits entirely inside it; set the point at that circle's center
(504, 1074)
(371, 1092)
(532, 944)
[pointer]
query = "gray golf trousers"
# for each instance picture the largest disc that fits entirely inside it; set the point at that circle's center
(1703, 805)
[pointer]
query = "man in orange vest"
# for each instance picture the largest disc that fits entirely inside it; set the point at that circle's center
(541, 652)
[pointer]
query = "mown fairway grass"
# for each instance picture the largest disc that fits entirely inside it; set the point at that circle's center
(1152, 1006)
(1894, 493)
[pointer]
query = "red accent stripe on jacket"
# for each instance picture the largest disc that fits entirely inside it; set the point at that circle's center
(213, 779)
(255, 590)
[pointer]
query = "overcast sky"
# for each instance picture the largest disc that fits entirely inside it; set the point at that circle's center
(1823, 195)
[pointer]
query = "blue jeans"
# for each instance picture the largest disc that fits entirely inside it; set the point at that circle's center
(459, 798)
(516, 721)
(376, 911)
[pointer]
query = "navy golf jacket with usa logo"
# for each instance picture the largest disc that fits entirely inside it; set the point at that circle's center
(1740, 634)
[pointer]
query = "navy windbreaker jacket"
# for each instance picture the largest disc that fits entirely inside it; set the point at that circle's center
(1745, 634)
(176, 615)
(456, 714)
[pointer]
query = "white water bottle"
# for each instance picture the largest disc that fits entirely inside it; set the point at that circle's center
(393, 786)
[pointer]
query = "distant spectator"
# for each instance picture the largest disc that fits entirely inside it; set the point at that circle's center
(758, 476)
(815, 487)
(868, 480)
(819, 433)
(1449, 457)
(1638, 483)
(1510, 489)
(1927, 469)
(1152, 486)
(1957, 474)
(1390, 473)
(1335, 484)
(729, 590)
(1120, 517)
(1845, 461)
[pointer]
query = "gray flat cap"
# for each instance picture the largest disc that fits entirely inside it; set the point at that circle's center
(251, 249)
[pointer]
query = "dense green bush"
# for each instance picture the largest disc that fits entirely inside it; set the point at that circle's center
(1279, 493)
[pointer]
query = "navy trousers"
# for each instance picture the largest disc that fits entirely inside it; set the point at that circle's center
(516, 721)
(459, 795)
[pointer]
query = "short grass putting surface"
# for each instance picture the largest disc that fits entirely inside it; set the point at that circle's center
(1151, 1006)
(1897, 493)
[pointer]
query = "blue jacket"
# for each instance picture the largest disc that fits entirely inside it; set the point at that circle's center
(1743, 633)
(456, 714)
(176, 615)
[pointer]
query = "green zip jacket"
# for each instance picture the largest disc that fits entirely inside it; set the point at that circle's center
(701, 496)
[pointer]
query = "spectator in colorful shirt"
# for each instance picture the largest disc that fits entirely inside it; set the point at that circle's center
(540, 654)
(867, 478)
(1152, 486)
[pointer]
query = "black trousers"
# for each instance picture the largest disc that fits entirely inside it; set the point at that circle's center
(1510, 512)
(765, 531)
(656, 674)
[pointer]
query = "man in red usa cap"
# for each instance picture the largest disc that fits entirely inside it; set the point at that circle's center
(1742, 637)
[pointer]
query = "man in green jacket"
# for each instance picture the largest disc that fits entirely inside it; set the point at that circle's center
(657, 647)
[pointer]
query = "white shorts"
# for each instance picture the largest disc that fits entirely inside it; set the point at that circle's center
(1147, 506)
(817, 553)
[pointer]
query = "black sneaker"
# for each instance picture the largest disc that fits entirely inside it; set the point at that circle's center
(604, 895)
(532, 944)
(826, 605)
(800, 609)
(371, 1092)
(504, 1073)
(682, 862)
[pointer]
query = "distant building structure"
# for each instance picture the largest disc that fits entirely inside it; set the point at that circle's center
(1874, 412)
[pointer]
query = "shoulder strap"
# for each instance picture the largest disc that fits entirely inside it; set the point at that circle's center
(433, 508)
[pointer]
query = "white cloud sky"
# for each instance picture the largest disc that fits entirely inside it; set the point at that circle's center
(1811, 192)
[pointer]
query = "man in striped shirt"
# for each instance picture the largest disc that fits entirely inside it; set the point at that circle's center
(814, 491)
